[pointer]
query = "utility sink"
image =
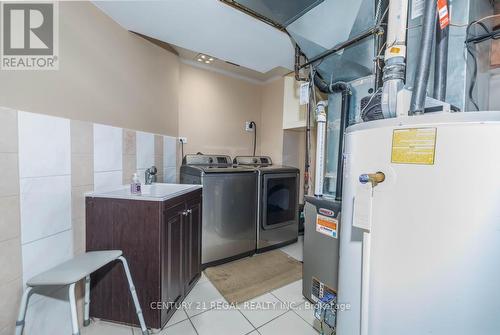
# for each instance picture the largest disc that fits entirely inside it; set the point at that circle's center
(154, 192)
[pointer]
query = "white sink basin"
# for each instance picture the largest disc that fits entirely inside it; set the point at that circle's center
(155, 192)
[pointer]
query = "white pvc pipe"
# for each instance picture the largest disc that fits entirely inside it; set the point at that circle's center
(395, 56)
(320, 148)
(396, 29)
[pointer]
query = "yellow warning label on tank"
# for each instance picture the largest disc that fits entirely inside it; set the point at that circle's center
(414, 146)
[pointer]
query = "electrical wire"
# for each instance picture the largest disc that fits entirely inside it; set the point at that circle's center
(379, 55)
(377, 11)
(379, 22)
(470, 43)
(254, 136)
(371, 98)
(307, 172)
(487, 18)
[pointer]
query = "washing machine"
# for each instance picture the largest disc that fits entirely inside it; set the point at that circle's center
(229, 206)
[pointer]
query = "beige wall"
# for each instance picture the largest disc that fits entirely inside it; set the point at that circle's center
(285, 147)
(271, 125)
(213, 109)
(106, 75)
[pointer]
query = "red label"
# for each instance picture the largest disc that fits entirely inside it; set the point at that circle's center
(444, 14)
(326, 212)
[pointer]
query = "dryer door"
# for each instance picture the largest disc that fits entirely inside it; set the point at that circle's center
(280, 200)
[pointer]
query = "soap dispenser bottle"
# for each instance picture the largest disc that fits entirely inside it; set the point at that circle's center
(135, 185)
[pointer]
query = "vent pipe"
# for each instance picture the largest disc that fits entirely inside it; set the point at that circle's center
(395, 56)
(345, 90)
(320, 147)
(417, 105)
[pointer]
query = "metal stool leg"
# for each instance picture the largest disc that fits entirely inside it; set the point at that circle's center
(22, 310)
(72, 304)
(86, 304)
(134, 296)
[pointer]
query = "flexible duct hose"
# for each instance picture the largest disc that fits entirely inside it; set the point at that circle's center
(419, 95)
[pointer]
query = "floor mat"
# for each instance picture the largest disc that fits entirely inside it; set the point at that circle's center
(251, 277)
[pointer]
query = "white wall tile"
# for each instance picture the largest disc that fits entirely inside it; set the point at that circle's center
(44, 145)
(170, 175)
(41, 255)
(49, 315)
(108, 148)
(169, 151)
(145, 150)
(107, 180)
(45, 206)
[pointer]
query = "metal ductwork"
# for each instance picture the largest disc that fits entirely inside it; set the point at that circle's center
(278, 13)
(339, 37)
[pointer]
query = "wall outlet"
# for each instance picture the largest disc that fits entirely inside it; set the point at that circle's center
(249, 126)
(183, 140)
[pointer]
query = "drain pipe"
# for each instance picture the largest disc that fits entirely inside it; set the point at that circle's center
(395, 56)
(417, 105)
(441, 62)
(345, 90)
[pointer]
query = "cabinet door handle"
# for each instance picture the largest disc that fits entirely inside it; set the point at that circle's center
(189, 211)
(184, 213)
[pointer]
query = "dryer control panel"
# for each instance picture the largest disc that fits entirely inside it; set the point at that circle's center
(253, 160)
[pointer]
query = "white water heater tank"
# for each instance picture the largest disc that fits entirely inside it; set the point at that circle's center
(420, 251)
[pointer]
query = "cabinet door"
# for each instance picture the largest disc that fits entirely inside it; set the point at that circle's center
(192, 248)
(173, 283)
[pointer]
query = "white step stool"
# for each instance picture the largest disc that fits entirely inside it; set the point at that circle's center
(71, 272)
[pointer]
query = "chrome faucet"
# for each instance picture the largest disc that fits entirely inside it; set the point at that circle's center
(150, 175)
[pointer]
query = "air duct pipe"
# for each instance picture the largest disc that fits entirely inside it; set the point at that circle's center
(320, 147)
(417, 105)
(395, 56)
(441, 62)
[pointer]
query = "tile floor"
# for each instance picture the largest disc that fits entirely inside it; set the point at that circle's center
(205, 312)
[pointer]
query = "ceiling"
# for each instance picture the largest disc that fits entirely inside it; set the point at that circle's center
(209, 27)
(231, 69)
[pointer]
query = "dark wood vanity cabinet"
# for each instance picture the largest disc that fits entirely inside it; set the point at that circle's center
(162, 244)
